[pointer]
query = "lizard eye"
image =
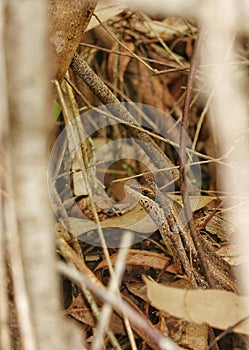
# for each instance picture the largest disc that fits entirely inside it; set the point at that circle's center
(148, 193)
(145, 192)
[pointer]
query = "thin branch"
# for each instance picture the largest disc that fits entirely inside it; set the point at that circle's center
(71, 257)
(152, 134)
(183, 173)
(120, 305)
(173, 68)
(73, 137)
(124, 46)
(104, 94)
(113, 287)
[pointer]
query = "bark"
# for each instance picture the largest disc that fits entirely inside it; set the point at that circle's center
(68, 21)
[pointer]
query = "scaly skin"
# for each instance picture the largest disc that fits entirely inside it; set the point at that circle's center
(219, 268)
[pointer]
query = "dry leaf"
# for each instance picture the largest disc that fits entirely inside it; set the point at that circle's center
(233, 254)
(166, 29)
(138, 289)
(217, 308)
(196, 202)
(118, 65)
(191, 335)
(81, 312)
(105, 10)
(187, 335)
(136, 220)
(143, 258)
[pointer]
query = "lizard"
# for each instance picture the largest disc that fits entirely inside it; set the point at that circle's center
(177, 238)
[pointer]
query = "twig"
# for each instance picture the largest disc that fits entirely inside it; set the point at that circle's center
(104, 94)
(124, 46)
(83, 165)
(227, 331)
(162, 42)
(184, 185)
(153, 135)
(113, 287)
(72, 258)
(100, 48)
(119, 304)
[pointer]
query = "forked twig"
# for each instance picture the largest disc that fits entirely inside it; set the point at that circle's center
(120, 305)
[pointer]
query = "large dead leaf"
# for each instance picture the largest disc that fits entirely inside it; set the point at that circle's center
(217, 308)
(142, 258)
(136, 219)
(191, 335)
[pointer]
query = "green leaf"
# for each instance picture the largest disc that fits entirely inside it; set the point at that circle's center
(56, 110)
